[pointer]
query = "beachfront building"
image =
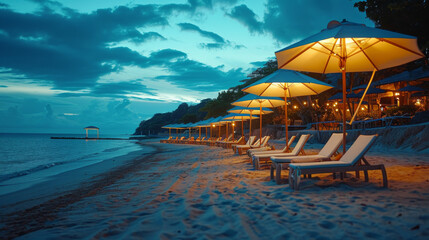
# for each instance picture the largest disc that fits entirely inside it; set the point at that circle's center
(405, 88)
(92, 128)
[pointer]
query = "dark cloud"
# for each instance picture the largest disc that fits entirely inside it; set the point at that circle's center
(168, 54)
(73, 51)
(258, 63)
(247, 17)
(3, 86)
(113, 90)
(193, 6)
(219, 42)
(121, 88)
(288, 21)
(198, 76)
(149, 36)
(4, 5)
(193, 28)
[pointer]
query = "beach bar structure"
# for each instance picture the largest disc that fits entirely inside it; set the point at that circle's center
(401, 87)
(92, 128)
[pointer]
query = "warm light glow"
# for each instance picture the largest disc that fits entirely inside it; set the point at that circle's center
(336, 103)
(213, 125)
(348, 110)
(295, 107)
(362, 108)
(312, 104)
(336, 109)
(397, 94)
(233, 124)
(305, 103)
(327, 104)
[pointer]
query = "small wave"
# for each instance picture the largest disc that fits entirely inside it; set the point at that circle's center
(29, 171)
(112, 149)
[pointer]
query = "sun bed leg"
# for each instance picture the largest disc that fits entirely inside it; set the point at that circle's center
(383, 172)
(256, 163)
(365, 172)
(357, 174)
(272, 171)
(342, 175)
(278, 173)
(297, 177)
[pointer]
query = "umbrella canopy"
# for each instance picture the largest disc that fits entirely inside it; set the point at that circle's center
(420, 94)
(242, 117)
(285, 83)
(251, 100)
(371, 91)
(363, 48)
(411, 88)
(291, 83)
(349, 47)
(245, 110)
(339, 96)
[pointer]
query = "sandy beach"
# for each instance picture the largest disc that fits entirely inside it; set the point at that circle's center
(200, 192)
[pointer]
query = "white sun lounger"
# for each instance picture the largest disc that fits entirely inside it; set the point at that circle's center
(281, 162)
(258, 144)
(249, 142)
(352, 160)
(268, 150)
(265, 157)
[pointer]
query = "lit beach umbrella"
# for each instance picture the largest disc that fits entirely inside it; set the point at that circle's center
(242, 117)
(169, 127)
(251, 100)
(349, 47)
(285, 83)
(217, 121)
(251, 111)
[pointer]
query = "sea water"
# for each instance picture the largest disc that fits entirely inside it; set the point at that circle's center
(27, 159)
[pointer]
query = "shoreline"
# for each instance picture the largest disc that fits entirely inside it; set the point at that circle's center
(67, 181)
(188, 191)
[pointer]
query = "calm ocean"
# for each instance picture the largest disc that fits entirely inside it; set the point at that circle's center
(27, 159)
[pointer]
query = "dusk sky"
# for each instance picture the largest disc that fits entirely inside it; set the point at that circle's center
(68, 64)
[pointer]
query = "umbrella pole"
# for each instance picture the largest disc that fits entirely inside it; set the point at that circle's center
(199, 135)
(233, 133)
(219, 129)
(169, 132)
(189, 132)
(226, 130)
(286, 123)
(260, 123)
(242, 127)
(250, 127)
(344, 107)
(206, 132)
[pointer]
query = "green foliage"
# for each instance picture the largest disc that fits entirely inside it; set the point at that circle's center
(402, 110)
(403, 16)
(189, 118)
